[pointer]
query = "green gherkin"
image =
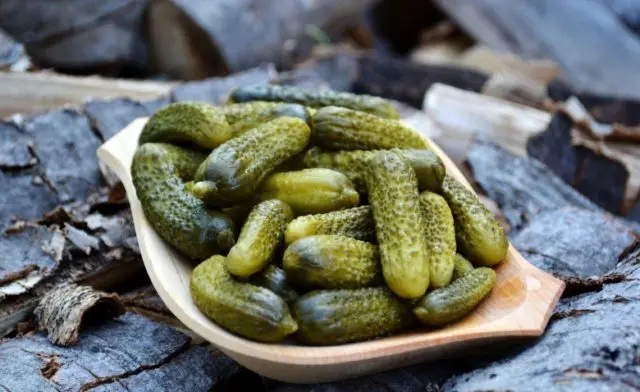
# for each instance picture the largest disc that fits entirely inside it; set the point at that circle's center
(332, 262)
(194, 123)
(341, 316)
(354, 222)
(461, 268)
(394, 198)
(275, 279)
(159, 173)
(428, 167)
(315, 99)
(234, 170)
(479, 236)
(440, 236)
(260, 236)
(242, 308)
(245, 116)
(449, 304)
(336, 128)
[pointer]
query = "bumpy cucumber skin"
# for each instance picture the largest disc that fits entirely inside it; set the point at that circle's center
(394, 198)
(233, 171)
(276, 280)
(426, 164)
(449, 304)
(242, 308)
(310, 191)
(354, 222)
(336, 128)
(245, 116)
(187, 122)
(159, 171)
(440, 237)
(332, 262)
(261, 234)
(316, 99)
(329, 317)
(461, 268)
(479, 236)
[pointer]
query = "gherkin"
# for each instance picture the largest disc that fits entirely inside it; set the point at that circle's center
(440, 237)
(354, 222)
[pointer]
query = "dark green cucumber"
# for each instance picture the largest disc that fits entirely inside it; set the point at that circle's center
(275, 279)
(259, 238)
(327, 317)
(159, 173)
(440, 236)
(354, 222)
(461, 268)
(242, 308)
(233, 171)
(316, 99)
(479, 236)
(332, 262)
(194, 123)
(449, 304)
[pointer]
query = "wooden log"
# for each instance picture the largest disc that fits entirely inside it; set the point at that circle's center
(198, 39)
(584, 38)
(80, 35)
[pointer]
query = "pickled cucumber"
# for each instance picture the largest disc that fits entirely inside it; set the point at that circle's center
(426, 164)
(365, 103)
(479, 236)
(440, 237)
(261, 234)
(233, 171)
(336, 128)
(242, 308)
(159, 171)
(342, 316)
(462, 267)
(245, 116)
(310, 191)
(354, 222)
(275, 279)
(332, 262)
(187, 122)
(449, 304)
(393, 194)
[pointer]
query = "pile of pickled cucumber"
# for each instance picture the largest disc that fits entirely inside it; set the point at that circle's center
(314, 215)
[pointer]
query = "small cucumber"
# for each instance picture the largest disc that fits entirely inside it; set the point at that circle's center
(341, 316)
(479, 236)
(159, 173)
(426, 164)
(336, 128)
(440, 236)
(449, 304)
(316, 99)
(462, 267)
(261, 234)
(233, 171)
(245, 116)
(394, 198)
(310, 191)
(332, 262)
(354, 222)
(187, 122)
(275, 279)
(242, 308)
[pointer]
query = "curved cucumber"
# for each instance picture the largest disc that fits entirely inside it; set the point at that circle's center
(275, 279)
(242, 308)
(316, 99)
(393, 194)
(260, 236)
(245, 116)
(337, 128)
(187, 122)
(449, 304)
(440, 237)
(354, 222)
(310, 191)
(461, 268)
(233, 171)
(159, 171)
(332, 262)
(479, 236)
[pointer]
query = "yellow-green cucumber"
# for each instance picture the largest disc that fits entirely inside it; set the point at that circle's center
(243, 117)
(354, 222)
(462, 267)
(440, 236)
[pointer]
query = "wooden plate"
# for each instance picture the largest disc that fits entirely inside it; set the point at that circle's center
(519, 305)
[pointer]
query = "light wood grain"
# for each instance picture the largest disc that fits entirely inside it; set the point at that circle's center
(519, 305)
